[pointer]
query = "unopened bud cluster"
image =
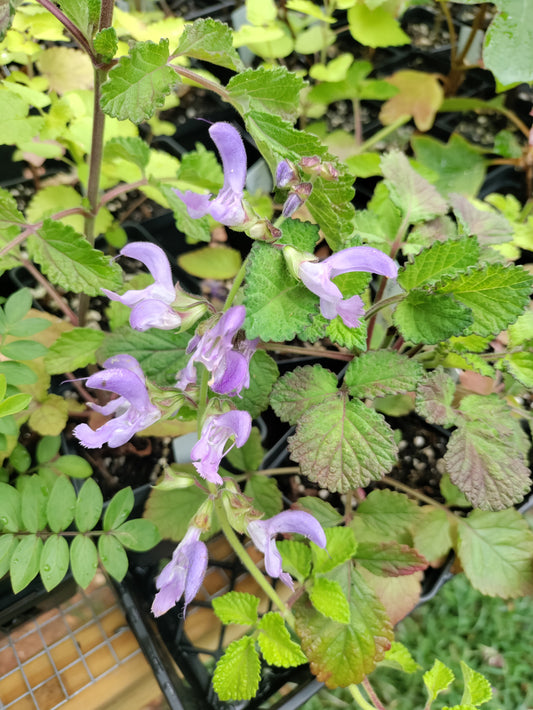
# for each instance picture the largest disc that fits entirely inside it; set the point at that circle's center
(288, 175)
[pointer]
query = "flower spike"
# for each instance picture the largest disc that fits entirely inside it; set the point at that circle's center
(209, 451)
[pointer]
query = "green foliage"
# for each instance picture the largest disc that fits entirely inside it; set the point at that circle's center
(380, 373)
(300, 390)
(74, 349)
(236, 608)
(508, 50)
(276, 645)
(211, 41)
(238, 672)
(274, 91)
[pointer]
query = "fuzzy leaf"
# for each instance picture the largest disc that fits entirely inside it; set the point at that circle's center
(488, 226)
(236, 608)
(341, 546)
(439, 678)
(341, 654)
(300, 390)
(520, 365)
(434, 398)
(238, 672)
(275, 91)
(276, 644)
(399, 657)
(296, 558)
(508, 51)
(496, 294)
(66, 68)
(210, 41)
(300, 235)
(441, 260)
(105, 43)
(265, 494)
(327, 597)
(387, 515)
(420, 96)
(173, 510)
(432, 534)
(380, 373)
(320, 509)
(69, 261)
(496, 552)
(138, 84)
(17, 126)
(430, 318)
(54, 561)
(130, 148)
(411, 193)
(343, 444)
(389, 559)
(477, 688)
(352, 338)
(263, 374)
(25, 560)
(74, 349)
(83, 560)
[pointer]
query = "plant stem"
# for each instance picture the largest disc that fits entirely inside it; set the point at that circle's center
(70, 27)
(198, 79)
(235, 286)
(383, 304)
(249, 564)
(372, 694)
(298, 350)
(120, 190)
(202, 398)
(50, 290)
(416, 494)
(359, 698)
(451, 30)
(32, 228)
(383, 133)
(476, 23)
(357, 121)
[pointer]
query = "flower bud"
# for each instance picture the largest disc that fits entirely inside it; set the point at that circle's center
(310, 165)
(286, 174)
(293, 259)
(296, 198)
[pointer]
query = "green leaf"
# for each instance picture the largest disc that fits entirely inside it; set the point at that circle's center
(61, 505)
(72, 350)
(249, 456)
(113, 556)
(419, 96)
(210, 41)
(438, 679)
(160, 353)
(196, 230)
(73, 466)
(380, 373)
(386, 515)
(434, 398)
(28, 326)
(520, 365)
(17, 305)
(460, 166)
(340, 547)
(432, 536)
(265, 494)
(496, 552)
(277, 304)
(441, 260)
(236, 608)
(238, 672)
(343, 445)
(477, 688)
(54, 561)
(18, 374)
(33, 503)
(138, 535)
(24, 350)
(398, 656)
(508, 50)
(17, 126)
(300, 390)
(300, 235)
(25, 562)
(120, 506)
(173, 510)
(320, 509)
(7, 10)
(68, 260)
(131, 148)
(275, 91)
(411, 193)
(83, 560)
(496, 294)
(451, 494)
(88, 506)
(351, 338)
(8, 544)
(263, 374)
(105, 43)
(219, 263)
(78, 12)
(430, 318)
(20, 458)
(138, 84)
(327, 597)
(10, 520)
(50, 418)
(342, 654)
(375, 27)
(276, 644)
(15, 403)
(389, 558)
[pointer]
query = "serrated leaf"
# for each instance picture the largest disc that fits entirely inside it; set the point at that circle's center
(300, 390)
(10, 520)
(342, 654)
(440, 260)
(172, 510)
(411, 193)
(398, 656)
(320, 509)
(389, 558)
(263, 374)
(496, 552)
(61, 505)
(420, 96)
(327, 597)
(238, 672)
(196, 230)
(210, 41)
(113, 556)
(105, 43)
(520, 365)
(88, 506)
(351, 338)
(54, 561)
(296, 558)
(51, 417)
(430, 318)
(138, 84)
(265, 494)
(434, 398)
(343, 445)
(131, 148)
(380, 373)
(496, 295)
(74, 349)
(276, 644)
(69, 261)
(300, 235)
(118, 509)
(275, 91)
(277, 304)
(138, 535)
(83, 560)
(477, 688)
(438, 679)
(341, 546)
(236, 608)
(217, 262)
(431, 536)
(386, 515)
(375, 27)
(25, 560)
(17, 126)
(33, 504)
(488, 226)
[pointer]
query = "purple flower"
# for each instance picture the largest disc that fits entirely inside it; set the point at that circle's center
(183, 575)
(263, 534)
(227, 207)
(317, 277)
(133, 408)
(209, 451)
(228, 363)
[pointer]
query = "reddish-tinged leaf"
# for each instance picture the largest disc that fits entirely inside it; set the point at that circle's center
(389, 558)
(434, 398)
(385, 515)
(296, 392)
(420, 96)
(399, 595)
(488, 226)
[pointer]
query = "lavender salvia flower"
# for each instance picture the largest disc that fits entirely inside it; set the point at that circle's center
(215, 349)
(227, 207)
(152, 306)
(123, 376)
(263, 534)
(317, 278)
(183, 575)
(211, 448)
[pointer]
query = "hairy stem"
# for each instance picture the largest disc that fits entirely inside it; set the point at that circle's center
(235, 286)
(70, 27)
(29, 266)
(360, 699)
(198, 79)
(372, 694)
(298, 350)
(120, 190)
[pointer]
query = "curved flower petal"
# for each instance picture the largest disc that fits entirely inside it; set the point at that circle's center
(150, 313)
(210, 449)
(122, 382)
(128, 362)
(232, 153)
(316, 278)
(155, 260)
(350, 310)
(361, 259)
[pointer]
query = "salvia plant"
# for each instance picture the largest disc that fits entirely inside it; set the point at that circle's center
(412, 306)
